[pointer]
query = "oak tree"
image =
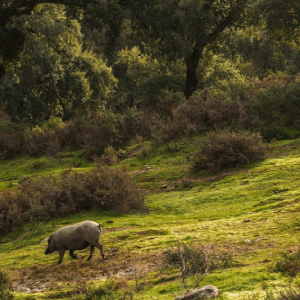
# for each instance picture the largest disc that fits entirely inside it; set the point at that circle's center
(183, 28)
(53, 76)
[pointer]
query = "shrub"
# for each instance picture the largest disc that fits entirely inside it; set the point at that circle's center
(195, 260)
(109, 156)
(43, 143)
(193, 257)
(270, 131)
(139, 122)
(274, 107)
(286, 292)
(289, 264)
(202, 111)
(188, 118)
(48, 197)
(12, 139)
(98, 132)
(67, 134)
(53, 123)
(198, 260)
(17, 139)
(225, 149)
(94, 134)
(5, 289)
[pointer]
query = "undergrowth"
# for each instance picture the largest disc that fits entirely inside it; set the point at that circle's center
(289, 264)
(198, 259)
(228, 149)
(48, 197)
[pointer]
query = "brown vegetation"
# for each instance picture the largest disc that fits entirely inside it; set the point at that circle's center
(94, 134)
(201, 113)
(226, 149)
(50, 197)
(289, 264)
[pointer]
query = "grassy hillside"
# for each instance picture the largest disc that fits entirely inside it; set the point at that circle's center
(249, 212)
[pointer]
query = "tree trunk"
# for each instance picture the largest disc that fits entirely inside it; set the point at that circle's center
(192, 62)
(2, 71)
(191, 80)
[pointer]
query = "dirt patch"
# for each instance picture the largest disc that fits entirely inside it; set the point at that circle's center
(117, 263)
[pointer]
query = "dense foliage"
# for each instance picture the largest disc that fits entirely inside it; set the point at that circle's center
(94, 134)
(95, 75)
(53, 75)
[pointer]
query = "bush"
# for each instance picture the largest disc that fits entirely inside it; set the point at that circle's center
(53, 123)
(201, 112)
(274, 107)
(194, 259)
(12, 139)
(17, 139)
(270, 131)
(139, 122)
(49, 197)
(198, 260)
(5, 289)
(43, 143)
(98, 132)
(225, 149)
(109, 157)
(94, 134)
(289, 264)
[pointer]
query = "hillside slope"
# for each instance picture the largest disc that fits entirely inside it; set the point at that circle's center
(249, 212)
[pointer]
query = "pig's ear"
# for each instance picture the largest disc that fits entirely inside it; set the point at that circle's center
(47, 239)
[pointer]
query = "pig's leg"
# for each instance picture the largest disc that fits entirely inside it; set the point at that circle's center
(100, 247)
(91, 252)
(61, 255)
(71, 252)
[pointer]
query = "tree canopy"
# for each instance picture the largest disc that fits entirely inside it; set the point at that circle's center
(182, 29)
(282, 17)
(12, 35)
(61, 56)
(53, 76)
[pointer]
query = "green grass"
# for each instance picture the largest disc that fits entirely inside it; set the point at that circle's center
(13, 171)
(205, 208)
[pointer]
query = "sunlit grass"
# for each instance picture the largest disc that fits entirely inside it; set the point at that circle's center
(252, 212)
(14, 170)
